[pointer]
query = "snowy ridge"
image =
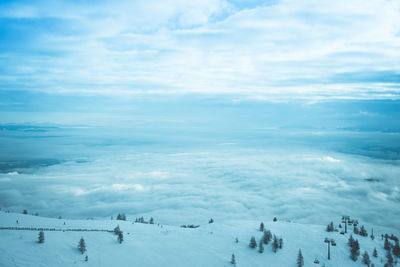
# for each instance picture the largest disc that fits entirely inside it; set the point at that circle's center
(166, 245)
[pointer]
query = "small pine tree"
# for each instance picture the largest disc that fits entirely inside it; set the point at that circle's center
(117, 230)
(120, 237)
(396, 249)
(151, 220)
(262, 227)
(355, 251)
(330, 227)
(355, 230)
(260, 246)
(351, 241)
(82, 245)
(275, 244)
(389, 258)
(366, 260)
(86, 258)
(375, 253)
(280, 242)
(386, 244)
(267, 236)
(275, 219)
(300, 259)
(363, 232)
(41, 237)
(211, 220)
(253, 242)
(24, 212)
(233, 260)
(236, 240)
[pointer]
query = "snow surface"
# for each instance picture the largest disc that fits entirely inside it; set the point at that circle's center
(171, 245)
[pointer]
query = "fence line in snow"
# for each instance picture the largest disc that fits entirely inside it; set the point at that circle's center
(54, 229)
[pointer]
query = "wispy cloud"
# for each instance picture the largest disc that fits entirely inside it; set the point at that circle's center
(345, 49)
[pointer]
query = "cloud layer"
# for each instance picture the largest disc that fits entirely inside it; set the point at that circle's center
(342, 49)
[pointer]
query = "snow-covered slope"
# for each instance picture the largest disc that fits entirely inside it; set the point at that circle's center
(167, 245)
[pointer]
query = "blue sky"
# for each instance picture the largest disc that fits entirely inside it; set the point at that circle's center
(259, 49)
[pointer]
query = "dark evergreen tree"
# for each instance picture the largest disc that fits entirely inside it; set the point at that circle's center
(375, 253)
(363, 232)
(330, 227)
(86, 258)
(366, 260)
(262, 227)
(211, 220)
(24, 212)
(233, 260)
(396, 249)
(253, 242)
(151, 220)
(41, 237)
(275, 219)
(260, 246)
(236, 240)
(340, 225)
(117, 230)
(120, 237)
(267, 236)
(389, 258)
(280, 242)
(300, 259)
(386, 244)
(82, 245)
(351, 241)
(275, 244)
(355, 230)
(355, 251)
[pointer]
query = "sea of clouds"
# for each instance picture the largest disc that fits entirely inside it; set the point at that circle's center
(189, 167)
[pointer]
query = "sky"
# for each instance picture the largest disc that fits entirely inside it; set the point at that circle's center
(185, 110)
(259, 49)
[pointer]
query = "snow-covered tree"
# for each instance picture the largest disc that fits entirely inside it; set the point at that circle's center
(120, 237)
(386, 244)
(260, 246)
(355, 251)
(121, 216)
(280, 242)
(267, 236)
(366, 260)
(82, 245)
(233, 259)
(41, 237)
(253, 242)
(363, 232)
(275, 244)
(262, 227)
(351, 241)
(396, 249)
(375, 253)
(389, 258)
(330, 227)
(300, 259)
(117, 230)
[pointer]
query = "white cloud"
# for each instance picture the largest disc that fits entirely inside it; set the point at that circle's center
(288, 48)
